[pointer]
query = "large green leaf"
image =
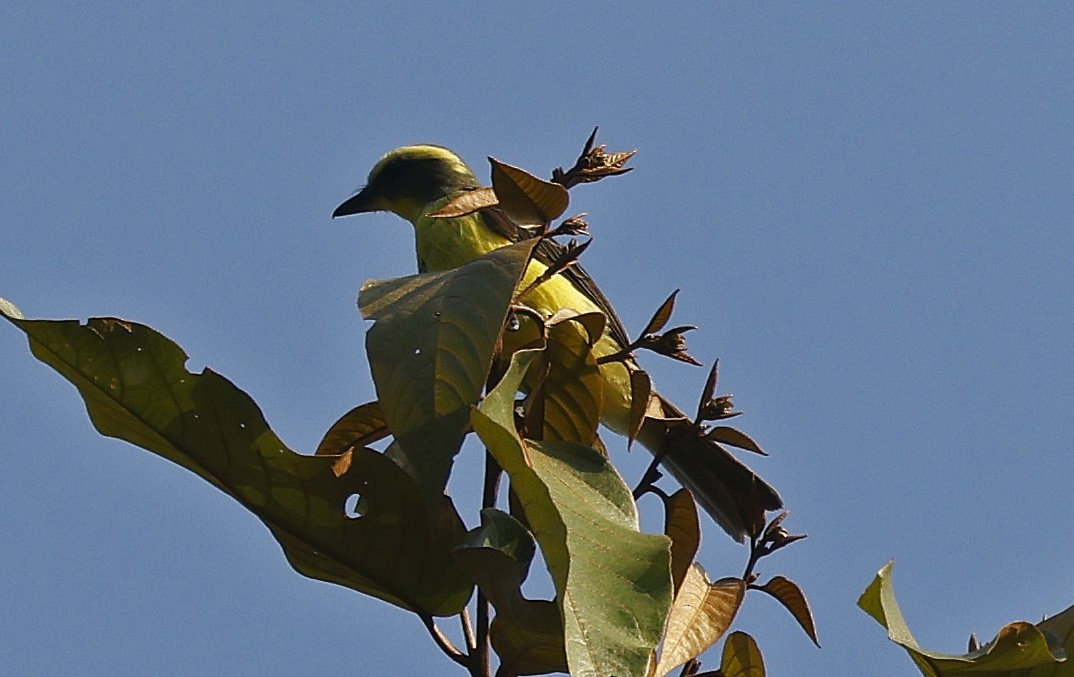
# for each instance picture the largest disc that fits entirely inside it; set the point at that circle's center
(431, 349)
(613, 582)
(356, 520)
(1019, 649)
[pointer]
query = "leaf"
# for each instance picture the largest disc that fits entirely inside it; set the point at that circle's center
(465, 203)
(701, 613)
(662, 315)
(526, 199)
(1017, 646)
(8, 309)
(359, 427)
(431, 349)
(505, 549)
(1059, 629)
(526, 634)
(366, 529)
(613, 583)
(735, 438)
(790, 595)
(572, 385)
(530, 640)
(741, 657)
(682, 526)
(641, 390)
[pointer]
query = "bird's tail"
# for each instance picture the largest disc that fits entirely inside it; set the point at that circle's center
(726, 488)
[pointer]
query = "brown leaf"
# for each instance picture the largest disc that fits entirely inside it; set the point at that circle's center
(466, 202)
(662, 315)
(701, 613)
(641, 389)
(359, 427)
(790, 595)
(682, 526)
(735, 438)
(526, 199)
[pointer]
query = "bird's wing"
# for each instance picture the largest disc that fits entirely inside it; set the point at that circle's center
(547, 251)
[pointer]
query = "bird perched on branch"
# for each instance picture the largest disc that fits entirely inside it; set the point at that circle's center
(414, 181)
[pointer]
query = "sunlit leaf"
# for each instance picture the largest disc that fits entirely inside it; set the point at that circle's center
(701, 613)
(741, 657)
(430, 351)
(682, 526)
(363, 526)
(790, 595)
(572, 384)
(1018, 646)
(526, 199)
(359, 427)
(613, 583)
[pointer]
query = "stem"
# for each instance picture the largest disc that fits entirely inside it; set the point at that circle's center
(481, 665)
(444, 643)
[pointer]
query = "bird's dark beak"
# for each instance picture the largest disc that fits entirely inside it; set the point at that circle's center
(362, 202)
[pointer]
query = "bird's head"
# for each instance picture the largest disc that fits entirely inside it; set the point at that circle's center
(407, 179)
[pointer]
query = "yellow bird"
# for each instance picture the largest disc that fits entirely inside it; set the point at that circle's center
(414, 181)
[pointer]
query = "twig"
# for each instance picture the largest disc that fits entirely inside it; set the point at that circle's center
(444, 643)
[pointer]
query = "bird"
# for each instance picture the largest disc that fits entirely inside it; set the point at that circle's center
(417, 180)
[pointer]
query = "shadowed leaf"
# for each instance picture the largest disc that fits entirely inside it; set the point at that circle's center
(526, 634)
(701, 613)
(641, 390)
(735, 438)
(466, 202)
(790, 595)
(365, 529)
(662, 315)
(613, 582)
(430, 351)
(359, 427)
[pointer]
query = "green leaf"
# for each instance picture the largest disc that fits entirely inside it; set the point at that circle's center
(613, 583)
(1019, 648)
(527, 635)
(701, 613)
(431, 349)
(355, 520)
(741, 657)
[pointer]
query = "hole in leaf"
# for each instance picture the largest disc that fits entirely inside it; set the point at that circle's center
(352, 507)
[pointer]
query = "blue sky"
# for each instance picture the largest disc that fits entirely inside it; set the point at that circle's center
(868, 209)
